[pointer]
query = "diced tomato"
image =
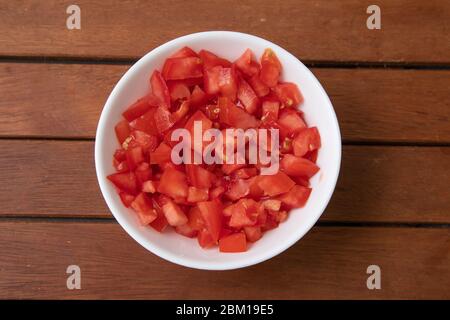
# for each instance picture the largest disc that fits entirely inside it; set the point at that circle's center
(290, 122)
(228, 83)
(296, 197)
(270, 110)
(126, 198)
(237, 189)
(211, 60)
(137, 109)
(199, 177)
(182, 68)
(146, 123)
(161, 154)
(195, 218)
(147, 142)
(143, 172)
(186, 230)
(216, 192)
(258, 86)
(205, 122)
(212, 214)
(253, 234)
(272, 204)
(181, 112)
(230, 168)
(245, 173)
(163, 119)
(296, 166)
(198, 97)
(149, 186)
(306, 140)
(247, 96)
(122, 131)
(144, 208)
(135, 157)
(270, 68)
(234, 116)
(235, 242)
(246, 64)
(173, 183)
(184, 52)
(178, 91)
(205, 240)
(288, 94)
(125, 182)
(275, 184)
(160, 90)
(311, 155)
(211, 80)
(173, 213)
(160, 223)
(255, 190)
(197, 194)
(120, 155)
(121, 166)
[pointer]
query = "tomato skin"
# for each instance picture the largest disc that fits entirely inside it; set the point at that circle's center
(289, 94)
(296, 166)
(212, 215)
(306, 140)
(144, 208)
(235, 242)
(211, 60)
(122, 131)
(160, 90)
(173, 183)
(246, 64)
(137, 109)
(247, 97)
(296, 197)
(182, 68)
(126, 198)
(275, 184)
(125, 182)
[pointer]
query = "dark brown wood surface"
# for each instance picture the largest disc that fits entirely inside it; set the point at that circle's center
(390, 90)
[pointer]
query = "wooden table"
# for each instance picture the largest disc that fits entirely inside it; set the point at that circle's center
(390, 89)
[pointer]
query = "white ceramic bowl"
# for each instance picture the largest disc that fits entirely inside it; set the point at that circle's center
(181, 250)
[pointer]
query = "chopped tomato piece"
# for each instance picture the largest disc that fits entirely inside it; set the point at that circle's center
(181, 112)
(253, 234)
(212, 214)
(186, 230)
(228, 83)
(173, 213)
(161, 154)
(290, 122)
(146, 122)
(296, 197)
(197, 194)
(246, 64)
(270, 110)
(235, 242)
(178, 91)
(258, 86)
(143, 172)
(182, 68)
(289, 94)
(160, 90)
(296, 166)
(144, 208)
(210, 60)
(163, 119)
(234, 116)
(237, 189)
(121, 166)
(205, 240)
(195, 218)
(198, 97)
(275, 184)
(137, 109)
(247, 97)
(173, 183)
(122, 131)
(216, 192)
(135, 157)
(211, 80)
(184, 52)
(149, 186)
(160, 223)
(199, 177)
(147, 142)
(125, 182)
(126, 198)
(306, 140)
(270, 68)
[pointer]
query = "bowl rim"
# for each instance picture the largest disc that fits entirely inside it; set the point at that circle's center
(167, 255)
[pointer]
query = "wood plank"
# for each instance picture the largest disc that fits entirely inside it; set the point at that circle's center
(372, 104)
(329, 263)
(412, 31)
(377, 184)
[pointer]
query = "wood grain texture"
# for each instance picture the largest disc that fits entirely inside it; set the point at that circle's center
(412, 31)
(329, 263)
(377, 184)
(65, 100)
